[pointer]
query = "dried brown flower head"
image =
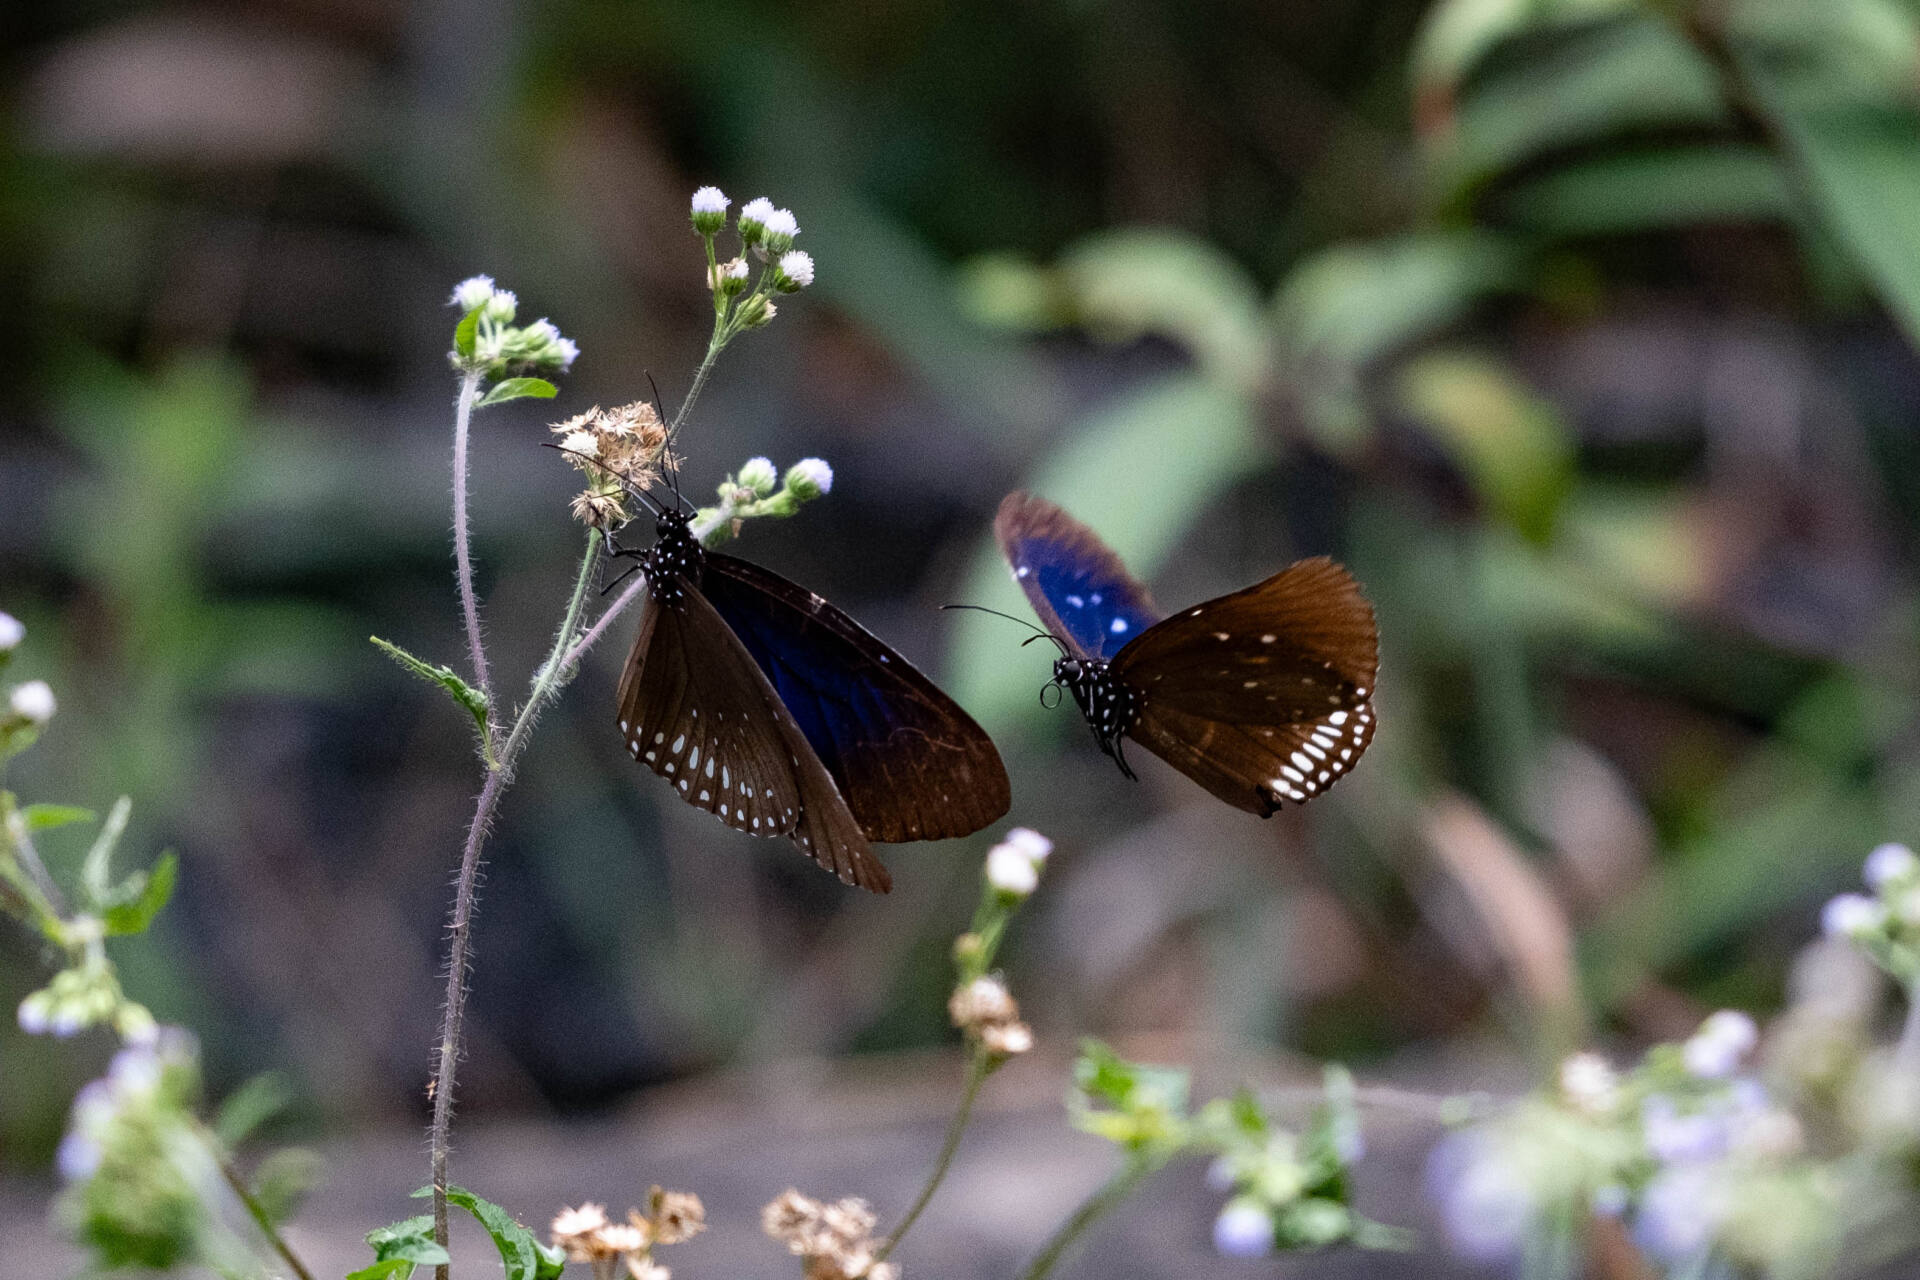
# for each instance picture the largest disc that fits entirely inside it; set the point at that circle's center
(675, 1215)
(835, 1239)
(578, 1231)
(985, 1009)
(618, 450)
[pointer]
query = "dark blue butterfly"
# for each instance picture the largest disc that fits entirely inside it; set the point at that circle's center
(763, 704)
(1263, 697)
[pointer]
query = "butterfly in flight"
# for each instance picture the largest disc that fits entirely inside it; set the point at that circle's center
(1263, 697)
(763, 704)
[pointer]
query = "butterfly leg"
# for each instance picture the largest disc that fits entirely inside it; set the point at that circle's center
(1119, 758)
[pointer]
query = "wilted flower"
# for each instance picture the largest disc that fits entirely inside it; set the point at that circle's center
(675, 1215)
(728, 277)
(577, 1230)
(982, 1001)
(836, 1239)
(620, 450)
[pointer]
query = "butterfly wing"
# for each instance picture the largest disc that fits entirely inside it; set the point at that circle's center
(1264, 695)
(1078, 586)
(696, 709)
(910, 763)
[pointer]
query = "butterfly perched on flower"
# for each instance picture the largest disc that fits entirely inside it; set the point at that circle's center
(763, 704)
(1263, 697)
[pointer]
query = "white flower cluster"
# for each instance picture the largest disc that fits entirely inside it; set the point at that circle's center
(1013, 865)
(1885, 924)
(499, 347)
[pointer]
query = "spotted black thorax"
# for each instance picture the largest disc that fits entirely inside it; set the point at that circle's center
(1108, 705)
(675, 558)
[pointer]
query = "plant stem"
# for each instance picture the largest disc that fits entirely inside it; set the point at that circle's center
(545, 685)
(977, 1070)
(462, 551)
(257, 1211)
(1117, 1188)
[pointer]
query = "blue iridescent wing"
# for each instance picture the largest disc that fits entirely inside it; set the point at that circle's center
(911, 764)
(1081, 591)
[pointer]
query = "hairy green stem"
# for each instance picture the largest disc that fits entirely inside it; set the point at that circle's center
(256, 1210)
(551, 676)
(714, 345)
(977, 1070)
(1096, 1206)
(462, 539)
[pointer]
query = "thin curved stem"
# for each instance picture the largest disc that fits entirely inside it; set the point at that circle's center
(977, 1071)
(258, 1212)
(714, 345)
(1096, 1206)
(462, 548)
(545, 685)
(599, 627)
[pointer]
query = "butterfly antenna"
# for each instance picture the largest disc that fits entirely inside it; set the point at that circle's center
(668, 468)
(646, 499)
(1039, 633)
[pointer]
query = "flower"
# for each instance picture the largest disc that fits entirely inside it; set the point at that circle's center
(1486, 1206)
(809, 478)
(472, 292)
(36, 1013)
(835, 1239)
(1007, 1039)
(709, 210)
(1851, 915)
(675, 1215)
(781, 228)
(795, 271)
(758, 475)
(1680, 1212)
(11, 633)
(1589, 1083)
(1244, 1229)
(1011, 871)
(1676, 1137)
(575, 1229)
(620, 450)
(33, 702)
(1723, 1041)
(566, 351)
(728, 277)
(980, 1002)
(1888, 863)
(753, 220)
(501, 305)
(622, 1237)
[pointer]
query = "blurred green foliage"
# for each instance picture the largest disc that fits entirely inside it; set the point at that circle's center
(1581, 329)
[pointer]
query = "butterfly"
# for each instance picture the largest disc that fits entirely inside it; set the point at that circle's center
(1263, 697)
(763, 704)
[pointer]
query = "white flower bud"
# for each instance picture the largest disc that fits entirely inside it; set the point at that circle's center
(501, 305)
(11, 633)
(1012, 871)
(1716, 1050)
(1035, 845)
(796, 270)
(1890, 862)
(565, 351)
(809, 478)
(781, 229)
(709, 210)
(1244, 1229)
(759, 475)
(33, 702)
(753, 219)
(1851, 915)
(472, 292)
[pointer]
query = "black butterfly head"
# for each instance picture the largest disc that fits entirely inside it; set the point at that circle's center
(1110, 707)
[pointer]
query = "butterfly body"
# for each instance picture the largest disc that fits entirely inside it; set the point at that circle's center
(763, 704)
(1263, 696)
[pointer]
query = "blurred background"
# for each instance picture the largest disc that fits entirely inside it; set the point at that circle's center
(1581, 330)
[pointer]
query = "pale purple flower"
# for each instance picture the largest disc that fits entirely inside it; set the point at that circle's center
(77, 1157)
(1485, 1208)
(710, 200)
(1243, 1230)
(1674, 1136)
(471, 292)
(1890, 862)
(1722, 1043)
(797, 266)
(1681, 1211)
(810, 477)
(1850, 915)
(11, 633)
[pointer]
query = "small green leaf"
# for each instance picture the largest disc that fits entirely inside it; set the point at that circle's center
(466, 332)
(520, 389)
(465, 694)
(520, 1254)
(410, 1239)
(149, 891)
(45, 817)
(283, 1180)
(96, 873)
(250, 1106)
(397, 1268)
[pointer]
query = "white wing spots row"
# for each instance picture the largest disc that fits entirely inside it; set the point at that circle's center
(1325, 750)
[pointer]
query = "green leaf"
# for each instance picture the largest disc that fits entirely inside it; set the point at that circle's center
(282, 1180)
(45, 817)
(410, 1239)
(1862, 168)
(1655, 189)
(1149, 280)
(1140, 471)
(520, 389)
(463, 693)
(521, 1255)
(150, 891)
(1511, 445)
(96, 873)
(466, 333)
(255, 1102)
(1132, 1104)
(397, 1268)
